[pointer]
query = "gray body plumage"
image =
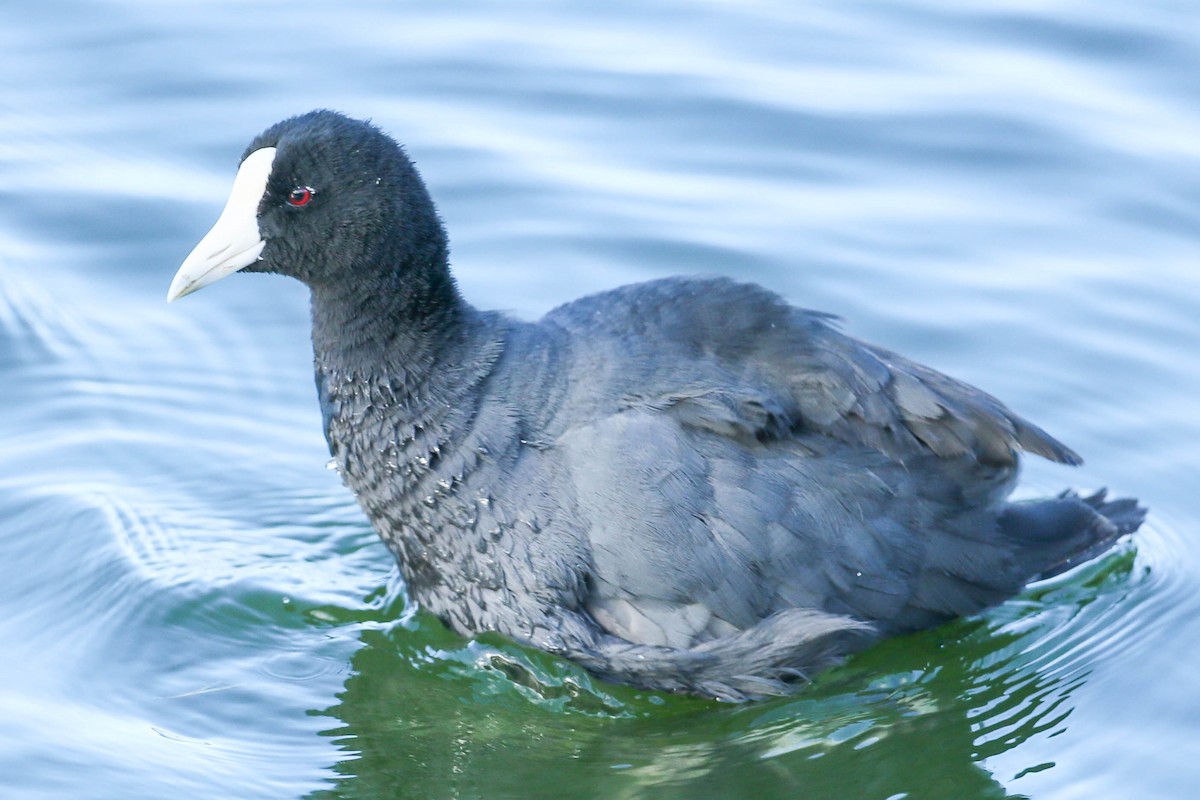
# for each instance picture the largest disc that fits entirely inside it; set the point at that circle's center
(688, 484)
(685, 485)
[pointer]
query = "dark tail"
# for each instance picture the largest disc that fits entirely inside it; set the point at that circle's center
(1068, 530)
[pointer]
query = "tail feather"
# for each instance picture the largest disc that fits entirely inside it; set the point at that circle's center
(1124, 513)
(1066, 531)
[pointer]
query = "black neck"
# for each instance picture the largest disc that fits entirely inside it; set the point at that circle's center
(411, 345)
(400, 318)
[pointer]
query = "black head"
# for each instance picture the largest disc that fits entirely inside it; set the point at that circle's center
(328, 200)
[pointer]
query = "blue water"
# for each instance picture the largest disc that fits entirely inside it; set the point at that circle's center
(192, 606)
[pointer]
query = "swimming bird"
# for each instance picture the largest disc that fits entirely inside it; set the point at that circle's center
(685, 485)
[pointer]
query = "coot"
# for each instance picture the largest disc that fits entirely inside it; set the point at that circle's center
(685, 485)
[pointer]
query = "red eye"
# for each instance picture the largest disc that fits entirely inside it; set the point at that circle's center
(300, 196)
